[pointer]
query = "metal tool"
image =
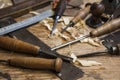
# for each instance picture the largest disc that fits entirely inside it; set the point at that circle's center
(70, 72)
(61, 68)
(111, 49)
(35, 63)
(65, 72)
(104, 29)
(80, 15)
(60, 8)
(24, 47)
(26, 22)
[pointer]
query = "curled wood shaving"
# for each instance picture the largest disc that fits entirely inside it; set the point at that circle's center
(75, 31)
(91, 41)
(66, 20)
(56, 32)
(84, 63)
(49, 27)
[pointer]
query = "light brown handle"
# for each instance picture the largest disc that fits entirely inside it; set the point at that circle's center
(81, 14)
(37, 63)
(106, 28)
(18, 45)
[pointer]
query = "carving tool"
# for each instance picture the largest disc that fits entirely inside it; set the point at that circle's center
(35, 63)
(59, 10)
(104, 29)
(20, 46)
(24, 47)
(80, 15)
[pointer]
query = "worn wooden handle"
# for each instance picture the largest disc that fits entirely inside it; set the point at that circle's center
(18, 45)
(37, 63)
(106, 28)
(81, 14)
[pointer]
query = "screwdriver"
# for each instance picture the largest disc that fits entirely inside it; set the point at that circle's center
(24, 47)
(104, 29)
(80, 15)
(35, 63)
(59, 10)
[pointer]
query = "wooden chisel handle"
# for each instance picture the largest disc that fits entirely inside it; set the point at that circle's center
(106, 28)
(81, 14)
(37, 63)
(18, 45)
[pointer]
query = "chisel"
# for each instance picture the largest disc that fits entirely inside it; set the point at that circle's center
(79, 16)
(35, 63)
(104, 29)
(59, 10)
(24, 47)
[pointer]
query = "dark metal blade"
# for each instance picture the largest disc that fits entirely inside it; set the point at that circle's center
(70, 72)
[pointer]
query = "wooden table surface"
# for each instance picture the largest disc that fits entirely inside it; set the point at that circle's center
(110, 69)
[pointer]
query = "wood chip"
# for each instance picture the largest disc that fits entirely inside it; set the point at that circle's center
(84, 63)
(56, 32)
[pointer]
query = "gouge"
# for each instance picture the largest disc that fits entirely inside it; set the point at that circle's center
(104, 29)
(35, 63)
(59, 10)
(24, 47)
(80, 15)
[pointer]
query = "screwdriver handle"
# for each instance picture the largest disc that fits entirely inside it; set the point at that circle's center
(36, 63)
(18, 45)
(106, 28)
(81, 14)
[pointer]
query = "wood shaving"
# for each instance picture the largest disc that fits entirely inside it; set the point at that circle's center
(49, 27)
(84, 63)
(74, 31)
(66, 20)
(56, 32)
(34, 12)
(92, 41)
(87, 63)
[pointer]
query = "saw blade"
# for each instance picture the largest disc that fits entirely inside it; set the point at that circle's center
(70, 72)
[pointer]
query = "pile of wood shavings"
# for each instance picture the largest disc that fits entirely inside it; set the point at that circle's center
(75, 32)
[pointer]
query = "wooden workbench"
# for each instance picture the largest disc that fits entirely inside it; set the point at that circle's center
(110, 69)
